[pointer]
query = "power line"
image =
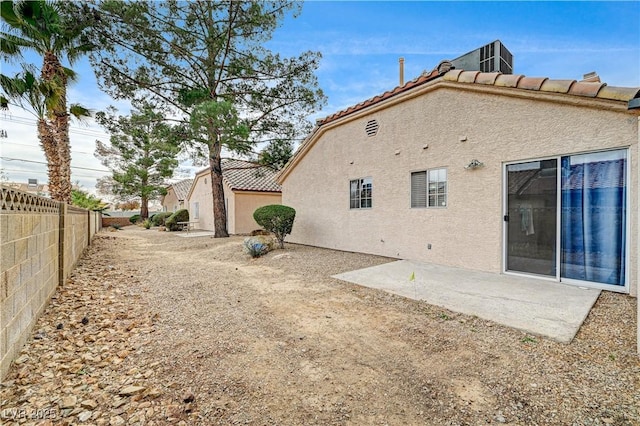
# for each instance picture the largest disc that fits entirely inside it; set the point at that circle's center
(33, 146)
(83, 132)
(42, 162)
(44, 173)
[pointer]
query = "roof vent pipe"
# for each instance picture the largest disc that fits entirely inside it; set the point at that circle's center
(401, 62)
(591, 77)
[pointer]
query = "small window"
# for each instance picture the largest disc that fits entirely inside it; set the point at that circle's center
(419, 189)
(360, 193)
(429, 188)
(196, 210)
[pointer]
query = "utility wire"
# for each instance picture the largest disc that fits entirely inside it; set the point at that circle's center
(42, 162)
(43, 173)
(37, 147)
(84, 132)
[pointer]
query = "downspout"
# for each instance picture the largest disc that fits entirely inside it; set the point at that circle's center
(634, 104)
(637, 237)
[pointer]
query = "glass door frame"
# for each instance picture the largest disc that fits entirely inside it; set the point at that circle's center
(505, 211)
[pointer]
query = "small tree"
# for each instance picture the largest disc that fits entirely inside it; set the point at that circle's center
(142, 153)
(276, 218)
(87, 201)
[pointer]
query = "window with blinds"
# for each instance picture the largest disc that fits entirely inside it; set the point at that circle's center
(419, 189)
(429, 188)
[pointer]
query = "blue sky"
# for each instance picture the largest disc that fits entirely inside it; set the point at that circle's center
(361, 42)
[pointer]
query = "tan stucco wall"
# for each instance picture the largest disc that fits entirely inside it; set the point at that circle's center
(201, 193)
(468, 232)
(246, 203)
(240, 205)
(170, 202)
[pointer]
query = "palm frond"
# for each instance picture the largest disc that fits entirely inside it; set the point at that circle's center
(71, 75)
(76, 52)
(8, 13)
(80, 112)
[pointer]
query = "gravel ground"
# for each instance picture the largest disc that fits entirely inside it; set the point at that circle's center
(153, 329)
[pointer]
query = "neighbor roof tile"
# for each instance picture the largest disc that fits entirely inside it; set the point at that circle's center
(182, 188)
(246, 176)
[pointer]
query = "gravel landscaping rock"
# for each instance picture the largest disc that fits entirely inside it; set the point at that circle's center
(151, 329)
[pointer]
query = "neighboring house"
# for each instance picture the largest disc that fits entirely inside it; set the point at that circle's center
(486, 171)
(176, 196)
(246, 187)
(32, 187)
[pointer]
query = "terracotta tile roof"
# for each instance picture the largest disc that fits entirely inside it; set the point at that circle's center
(517, 81)
(246, 176)
(182, 188)
(543, 84)
(386, 95)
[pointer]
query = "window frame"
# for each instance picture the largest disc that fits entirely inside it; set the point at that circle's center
(427, 194)
(359, 198)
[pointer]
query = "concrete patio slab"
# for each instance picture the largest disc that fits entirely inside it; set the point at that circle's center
(194, 233)
(535, 306)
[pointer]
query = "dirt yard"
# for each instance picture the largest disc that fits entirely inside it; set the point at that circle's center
(154, 329)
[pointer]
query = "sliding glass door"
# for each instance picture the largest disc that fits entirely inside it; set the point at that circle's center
(583, 202)
(532, 205)
(594, 217)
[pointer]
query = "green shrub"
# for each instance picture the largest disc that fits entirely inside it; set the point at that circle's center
(160, 218)
(181, 215)
(116, 226)
(276, 218)
(134, 219)
(146, 224)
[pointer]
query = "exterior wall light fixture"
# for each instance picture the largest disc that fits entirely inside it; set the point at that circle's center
(474, 164)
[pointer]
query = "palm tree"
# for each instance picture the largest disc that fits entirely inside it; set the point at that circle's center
(41, 27)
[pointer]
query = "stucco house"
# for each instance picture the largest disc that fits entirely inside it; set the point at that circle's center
(246, 187)
(486, 171)
(176, 196)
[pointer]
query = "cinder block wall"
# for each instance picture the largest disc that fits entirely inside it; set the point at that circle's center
(122, 221)
(40, 242)
(76, 237)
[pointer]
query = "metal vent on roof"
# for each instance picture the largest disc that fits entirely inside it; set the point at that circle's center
(371, 128)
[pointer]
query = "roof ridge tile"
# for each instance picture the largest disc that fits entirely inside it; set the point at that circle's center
(557, 86)
(531, 83)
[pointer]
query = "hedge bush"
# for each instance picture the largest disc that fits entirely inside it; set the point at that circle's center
(181, 215)
(160, 218)
(134, 219)
(276, 218)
